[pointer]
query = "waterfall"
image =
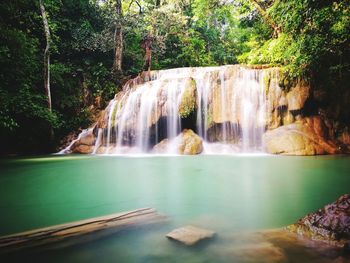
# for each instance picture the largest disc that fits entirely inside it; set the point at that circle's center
(238, 105)
(225, 106)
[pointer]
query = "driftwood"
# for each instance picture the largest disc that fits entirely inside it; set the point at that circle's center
(47, 235)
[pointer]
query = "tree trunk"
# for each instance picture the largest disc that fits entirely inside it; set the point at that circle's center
(118, 39)
(46, 55)
(87, 229)
(267, 18)
(146, 44)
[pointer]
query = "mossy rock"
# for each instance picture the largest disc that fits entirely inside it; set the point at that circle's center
(267, 81)
(188, 103)
(190, 143)
(186, 143)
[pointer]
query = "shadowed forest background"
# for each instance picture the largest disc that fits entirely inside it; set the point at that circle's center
(94, 47)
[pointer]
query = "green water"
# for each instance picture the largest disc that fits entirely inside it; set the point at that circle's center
(228, 194)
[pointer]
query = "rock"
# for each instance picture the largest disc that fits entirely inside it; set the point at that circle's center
(161, 147)
(87, 139)
(188, 103)
(260, 252)
(344, 137)
(82, 148)
(308, 136)
(330, 224)
(280, 104)
(297, 96)
(85, 142)
(190, 143)
(275, 99)
(187, 143)
(190, 235)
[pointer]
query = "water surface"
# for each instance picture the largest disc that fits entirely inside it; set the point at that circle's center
(228, 194)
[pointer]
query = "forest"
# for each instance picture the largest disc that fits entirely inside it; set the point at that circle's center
(63, 60)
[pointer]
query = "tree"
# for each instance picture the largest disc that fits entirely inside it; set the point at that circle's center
(46, 55)
(263, 12)
(146, 44)
(118, 39)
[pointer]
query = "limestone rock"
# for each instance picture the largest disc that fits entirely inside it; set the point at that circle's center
(330, 224)
(297, 96)
(161, 147)
(308, 136)
(84, 149)
(87, 139)
(188, 103)
(190, 235)
(260, 252)
(84, 143)
(187, 143)
(190, 143)
(344, 138)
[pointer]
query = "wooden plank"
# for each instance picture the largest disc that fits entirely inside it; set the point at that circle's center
(56, 233)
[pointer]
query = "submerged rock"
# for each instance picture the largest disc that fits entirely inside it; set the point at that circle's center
(308, 136)
(259, 252)
(187, 143)
(190, 235)
(330, 224)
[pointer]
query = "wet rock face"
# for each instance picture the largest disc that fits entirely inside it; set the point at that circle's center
(330, 224)
(298, 96)
(284, 106)
(188, 103)
(308, 136)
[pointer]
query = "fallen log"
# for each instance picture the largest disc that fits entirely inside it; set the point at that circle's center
(47, 235)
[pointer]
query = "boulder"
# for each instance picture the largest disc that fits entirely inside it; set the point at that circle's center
(187, 143)
(88, 138)
(190, 235)
(190, 143)
(308, 136)
(330, 223)
(84, 149)
(161, 147)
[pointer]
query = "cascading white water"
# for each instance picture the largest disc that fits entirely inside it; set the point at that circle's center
(230, 110)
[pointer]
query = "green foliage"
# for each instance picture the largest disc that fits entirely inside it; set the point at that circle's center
(314, 33)
(80, 71)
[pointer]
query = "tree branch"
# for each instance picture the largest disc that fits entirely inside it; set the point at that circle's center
(267, 18)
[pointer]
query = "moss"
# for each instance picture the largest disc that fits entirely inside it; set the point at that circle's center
(114, 114)
(267, 81)
(188, 102)
(210, 120)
